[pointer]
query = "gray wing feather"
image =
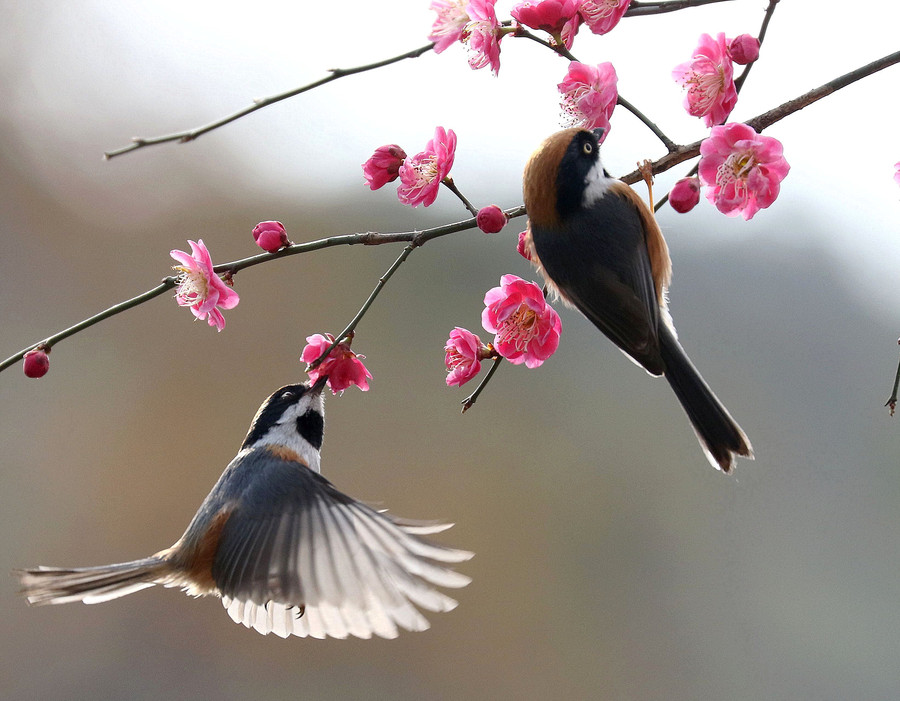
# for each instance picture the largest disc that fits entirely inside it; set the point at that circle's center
(298, 557)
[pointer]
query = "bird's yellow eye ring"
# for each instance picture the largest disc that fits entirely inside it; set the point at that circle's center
(587, 148)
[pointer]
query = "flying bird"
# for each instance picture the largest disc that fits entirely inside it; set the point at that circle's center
(284, 549)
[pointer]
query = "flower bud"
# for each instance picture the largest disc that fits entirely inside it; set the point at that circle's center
(744, 49)
(383, 166)
(491, 219)
(270, 236)
(36, 363)
(685, 195)
(521, 246)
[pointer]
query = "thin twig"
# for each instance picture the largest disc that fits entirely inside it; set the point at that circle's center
(351, 327)
(167, 284)
(450, 185)
(770, 10)
(645, 9)
(472, 398)
(191, 134)
(892, 402)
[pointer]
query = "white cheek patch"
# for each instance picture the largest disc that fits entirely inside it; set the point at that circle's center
(596, 184)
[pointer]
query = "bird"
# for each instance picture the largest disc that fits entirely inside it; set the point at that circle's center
(599, 248)
(286, 551)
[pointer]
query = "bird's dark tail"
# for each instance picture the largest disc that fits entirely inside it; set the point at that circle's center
(719, 435)
(55, 585)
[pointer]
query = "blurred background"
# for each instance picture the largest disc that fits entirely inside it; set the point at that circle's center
(612, 561)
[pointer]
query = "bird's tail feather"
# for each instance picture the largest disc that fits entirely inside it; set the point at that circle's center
(92, 585)
(720, 436)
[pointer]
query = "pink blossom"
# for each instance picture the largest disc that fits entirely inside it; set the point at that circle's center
(709, 80)
(742, 169)
(602, 15)
(36, 363)
(200, 288)
(482, 35)
(421, 175)
(527, 328)
(897, 174)
(450, 22)
(522, 245)
(463, 354)
(270, 236)
(744, 49)
(559, 18)
(491, 219)
(384, 166)
(342, 367)
(589, 95)
(685, 195)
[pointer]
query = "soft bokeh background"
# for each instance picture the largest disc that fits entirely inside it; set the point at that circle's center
(612, 561)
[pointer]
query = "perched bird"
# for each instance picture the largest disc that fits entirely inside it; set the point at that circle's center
(600, 249)
(288, 553)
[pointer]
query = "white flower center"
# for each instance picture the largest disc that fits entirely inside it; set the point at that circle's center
(192, 284)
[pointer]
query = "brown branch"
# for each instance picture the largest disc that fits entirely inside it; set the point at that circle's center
(191, 134)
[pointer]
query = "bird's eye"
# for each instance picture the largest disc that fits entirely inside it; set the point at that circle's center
(587, 148)
(288, 395)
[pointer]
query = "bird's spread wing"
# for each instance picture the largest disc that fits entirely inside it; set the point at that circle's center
(298, 557)
(605, 273)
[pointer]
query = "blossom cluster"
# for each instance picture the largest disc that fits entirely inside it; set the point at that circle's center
(526, 330)
(474, 23)
(420, 175)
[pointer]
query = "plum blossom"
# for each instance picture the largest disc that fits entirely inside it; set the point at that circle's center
(482, 35)
(463, 354)
(270, 236)
(421, 175)
(384, 166)
(744, 49)
(709, 80)
(685, 195)
(342, 367)
(200, 288)
(589, 95)
(559, 18)
(522, 245)
(602, 15)
(527, 328)
(742, 170)
(897, 173)
(491, 219)
(35, 363)
(450, 22)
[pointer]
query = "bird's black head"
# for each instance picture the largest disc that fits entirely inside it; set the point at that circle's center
(579, 158)
(291, 414)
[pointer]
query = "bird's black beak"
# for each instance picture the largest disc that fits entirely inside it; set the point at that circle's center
(318, 385)
(598, 132)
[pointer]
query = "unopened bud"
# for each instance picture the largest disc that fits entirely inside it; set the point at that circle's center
(685, 195)
(270, 236)
(491, 219)
(36, 363)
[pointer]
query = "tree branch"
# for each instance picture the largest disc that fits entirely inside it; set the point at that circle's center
(413, 238)
(767, 119)
(191, 134)
(645, 9)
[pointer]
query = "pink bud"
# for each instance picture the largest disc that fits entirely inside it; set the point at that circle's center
(522, 247)
(491, 219)
(384, 165)
(744, 49)
(270, 236)
(685, 195)
(36, 363)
